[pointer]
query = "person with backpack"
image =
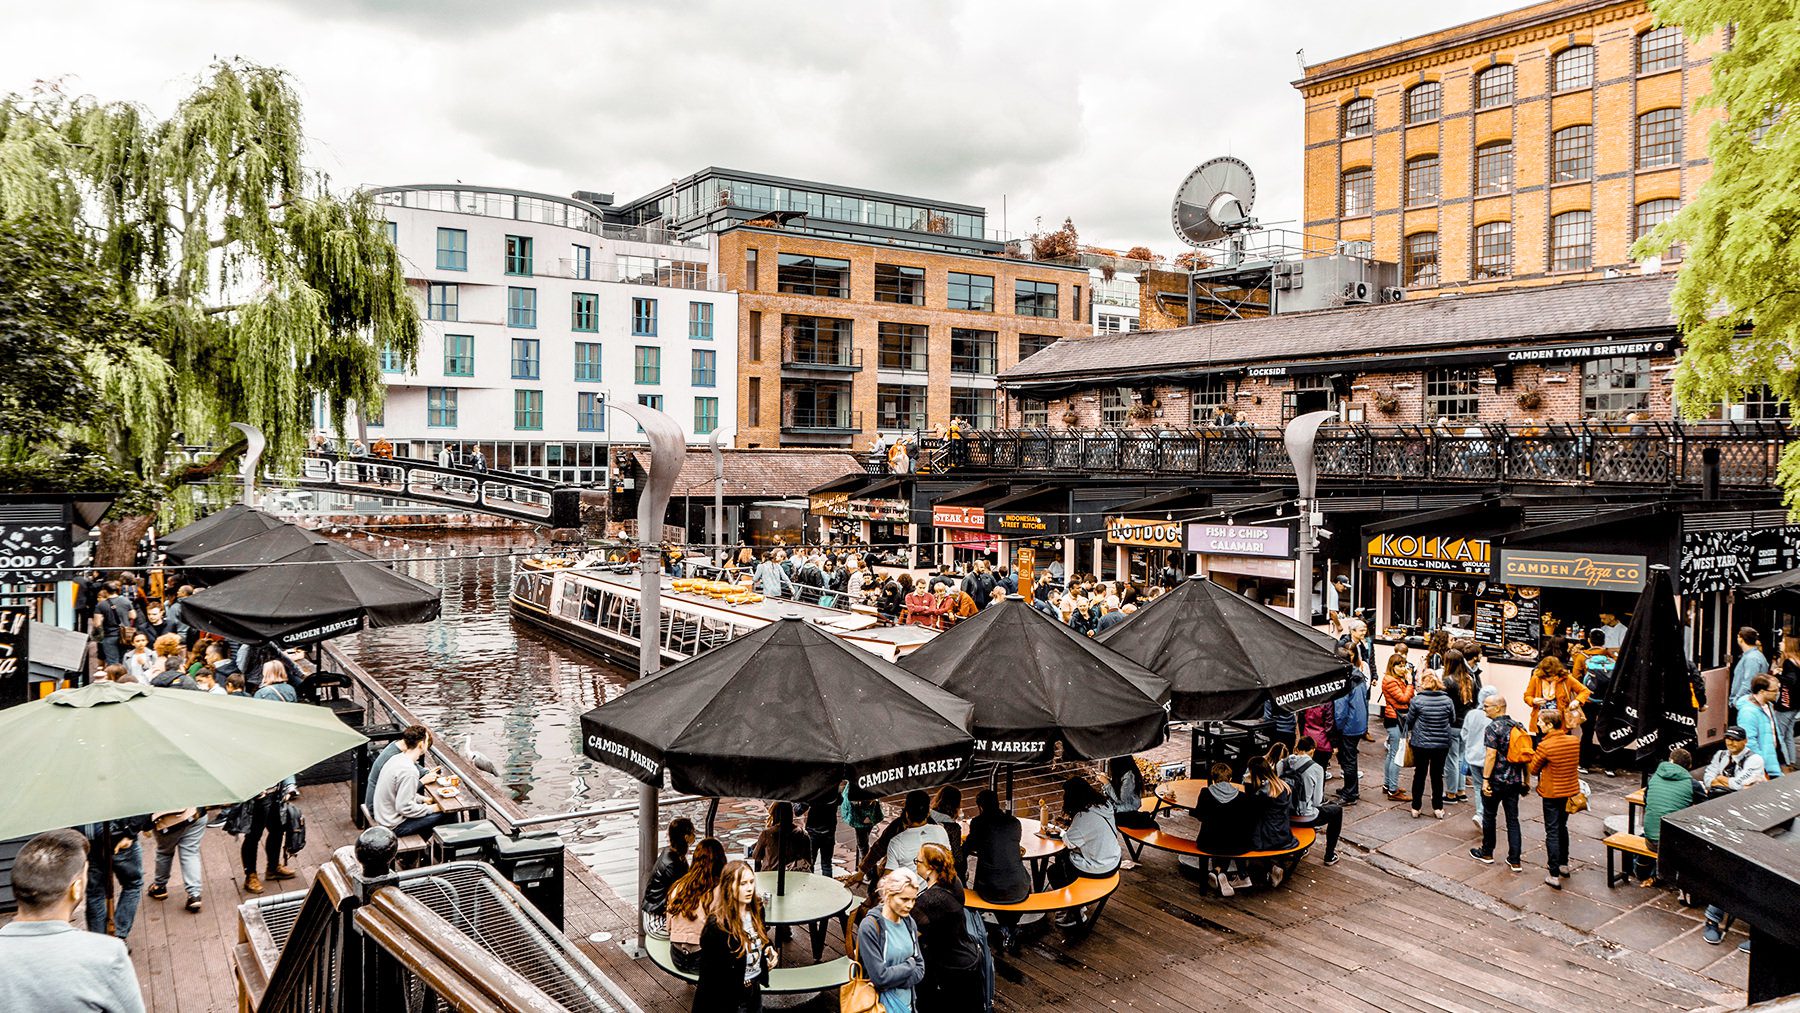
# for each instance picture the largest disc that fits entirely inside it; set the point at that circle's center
(958, 978)
(1596, 674)
(1350, 718)
(1508, 747)
(1306, 776)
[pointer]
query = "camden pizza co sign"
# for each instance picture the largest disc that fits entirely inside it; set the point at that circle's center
(1137, 531)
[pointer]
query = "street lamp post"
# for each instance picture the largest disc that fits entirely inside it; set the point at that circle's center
(1300, 437)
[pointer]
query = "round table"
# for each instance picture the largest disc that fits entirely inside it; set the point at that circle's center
(1038, 850)
(808, 898)
(1182, 794)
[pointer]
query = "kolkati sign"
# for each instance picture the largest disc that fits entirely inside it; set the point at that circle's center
(1430, 554)
(1137, 531)
(1593, 571)
(1270, 541)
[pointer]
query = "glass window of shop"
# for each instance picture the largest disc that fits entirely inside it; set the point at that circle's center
(1031, 344)
(1612, 388)
(1034, 413)
(1034, 298)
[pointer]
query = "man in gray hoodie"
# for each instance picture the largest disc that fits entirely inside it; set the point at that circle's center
(1304, 773)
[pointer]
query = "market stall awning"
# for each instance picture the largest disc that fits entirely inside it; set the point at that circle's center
(1779, 589)
(248, 553)
(317, 593)
(232, 524)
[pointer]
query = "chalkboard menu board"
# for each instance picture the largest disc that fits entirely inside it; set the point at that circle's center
(15, 654)
(1490, 623)
(1524, 629)
(1509, 625)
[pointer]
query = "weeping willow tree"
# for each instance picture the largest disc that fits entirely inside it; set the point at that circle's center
(1737, 300)
(251, 289)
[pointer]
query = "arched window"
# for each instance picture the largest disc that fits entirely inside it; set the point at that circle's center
(1493, 250)
(1572, 241)
(1494, 86)
(1494, 168)
(1572, 68)
(1572, 153)
(1421, 265)
(1652, 213)
(1359, 117)
(1424, 102)
(1659, 49)
(1357, 192)
(1423, 177)
(1659, 138)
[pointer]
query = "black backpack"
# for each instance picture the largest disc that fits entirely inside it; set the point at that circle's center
(1292, 775)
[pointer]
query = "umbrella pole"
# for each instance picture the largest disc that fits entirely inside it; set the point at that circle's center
(712, 815)
(780, 866)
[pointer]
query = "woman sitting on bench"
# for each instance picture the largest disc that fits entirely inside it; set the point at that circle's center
(1274, 807)
(1091, 842)
(686, 910)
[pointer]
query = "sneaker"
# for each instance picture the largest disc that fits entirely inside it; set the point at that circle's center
(1276, 875)
(1515, 866)
(193, 904)
(1612, 773)
(1476, 854)
(1415, 814)
(1225, 887)
(1396, 795)
(157, 892)
(252, 883)
(1127, 864)
(1330, 860)
(281, 872)
(1437, 814)
(1713, 934)
(1553, 882)
(1349, 799)
(1744, 947)
(1582, 770)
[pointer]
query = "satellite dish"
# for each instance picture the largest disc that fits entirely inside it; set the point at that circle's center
(1214, 201)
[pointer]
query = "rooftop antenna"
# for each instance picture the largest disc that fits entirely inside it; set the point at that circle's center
(1300, 58)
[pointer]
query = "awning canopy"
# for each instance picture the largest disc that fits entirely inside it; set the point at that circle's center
(320, 592)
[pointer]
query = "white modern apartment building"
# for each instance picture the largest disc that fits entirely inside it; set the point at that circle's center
(538, 312)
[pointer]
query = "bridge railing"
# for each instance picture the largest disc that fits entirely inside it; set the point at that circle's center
(504, 492)
(1647, 454)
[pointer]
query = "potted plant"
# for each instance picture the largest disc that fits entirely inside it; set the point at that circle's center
(1070, 418)
(1144, 410)
(1530, 397)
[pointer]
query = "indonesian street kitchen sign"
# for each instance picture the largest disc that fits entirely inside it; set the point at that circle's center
(1438, 554)
(1138, 531)
(1024, 523)
(1267, 541)
(1593, 571)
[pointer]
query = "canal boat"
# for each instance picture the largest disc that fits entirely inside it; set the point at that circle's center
(594, 604)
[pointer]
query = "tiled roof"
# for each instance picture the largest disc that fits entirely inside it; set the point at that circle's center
(760, 472)
(1594, 309)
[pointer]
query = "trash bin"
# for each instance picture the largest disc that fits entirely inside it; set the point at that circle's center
(535, 866)
(463, 842)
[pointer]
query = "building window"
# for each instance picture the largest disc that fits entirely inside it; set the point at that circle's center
(441, 302)
(1573, 68)
(1453, 394)
(590, 412)
(1421, 266)
(904, 285)
(818, 341)
(1493, 250)
(1424, 102)
(581, 262)
(800, 274)
(1034, 299)
(643, 318)
(1359, 117)
(1423, 176)
(453, 249)
(1652, 213)
(391, 360)
(1110, 323)
(1034, 413)
(521, 307)
(1610, 388)
(1572, 241)
(900, 406)
(1494, 86)
(1572, 153)
(1211, 393)
(1356, 192)
(903, 346)
(584, 312)
(459, 355)
(524, 359)
(528, 409)
(751, 269)
(754, 352)
(971, 292)
(1031, 344)
(392, 231)
(973, 351)
(974, 405)
(706, 415)
(587, 361)
(706, 367)
(1075, 309)
(647, 364)
(518, 255)
(1658, 138)
(700, 320)
(1115, 406)
(440, 407)
(1494, 168)
(1659, 49)
(651, 401)
(753, 401)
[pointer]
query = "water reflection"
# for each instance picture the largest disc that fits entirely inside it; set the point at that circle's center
(482, 682)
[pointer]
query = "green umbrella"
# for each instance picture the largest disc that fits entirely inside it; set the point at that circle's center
(112, 750)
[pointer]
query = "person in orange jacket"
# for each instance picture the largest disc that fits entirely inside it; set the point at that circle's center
(1551, 687)
(1396, 696)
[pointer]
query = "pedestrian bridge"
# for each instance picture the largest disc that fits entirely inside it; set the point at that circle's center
(1637, 455)
(501, 493)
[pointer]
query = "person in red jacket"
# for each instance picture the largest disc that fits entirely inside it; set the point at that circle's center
(1396, 698)
(1554, 763)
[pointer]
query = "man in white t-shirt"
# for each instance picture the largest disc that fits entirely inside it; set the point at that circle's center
(1612, 630)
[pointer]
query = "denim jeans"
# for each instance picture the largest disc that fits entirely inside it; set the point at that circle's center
(1390, 776)
(1347, 758)
(1556, 834)
(1453, 766)
(128, 869)
(1784, 735)
(185, 841)
(420, 824)
(1504, 798)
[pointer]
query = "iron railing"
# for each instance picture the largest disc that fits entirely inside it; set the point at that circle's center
(821, 420)
(820, 355)
(1649, 454)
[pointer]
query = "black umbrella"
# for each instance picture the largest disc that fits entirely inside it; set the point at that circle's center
(1034, 682)
(232, 524)
(321, 591)
(786, 712)
(1650, 709)
(1225, 655)
(247, 554)
(1781, 590)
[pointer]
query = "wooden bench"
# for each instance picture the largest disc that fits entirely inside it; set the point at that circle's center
(783, 980)
(1162, 840)
(413, 847)
(1634, 804)
(1624, 844)
(1084, 891)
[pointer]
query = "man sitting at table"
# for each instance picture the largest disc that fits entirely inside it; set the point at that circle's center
(898, 844)
(1227, 818)
(400, 805)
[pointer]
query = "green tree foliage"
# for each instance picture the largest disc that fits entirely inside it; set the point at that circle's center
(221, 279)
(1738, 296)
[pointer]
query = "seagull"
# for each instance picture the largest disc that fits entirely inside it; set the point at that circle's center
(477, 757)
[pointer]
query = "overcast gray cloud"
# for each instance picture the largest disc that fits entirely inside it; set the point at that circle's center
(1091, 111)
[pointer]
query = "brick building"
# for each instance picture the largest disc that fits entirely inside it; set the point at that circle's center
(1531, 147)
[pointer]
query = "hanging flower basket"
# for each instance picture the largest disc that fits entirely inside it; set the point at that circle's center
(1386, 403)
(1530, 397)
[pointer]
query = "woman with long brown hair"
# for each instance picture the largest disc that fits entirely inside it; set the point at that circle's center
(686, 909)
(1552, 688)
(1464, 689)
(736, 955)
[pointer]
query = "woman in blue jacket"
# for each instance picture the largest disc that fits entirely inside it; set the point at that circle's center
(887, 943)
(1430, 724)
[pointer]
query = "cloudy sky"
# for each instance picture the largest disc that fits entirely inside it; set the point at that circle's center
(1093, 111)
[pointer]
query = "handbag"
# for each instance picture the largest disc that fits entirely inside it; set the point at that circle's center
(1577, 802)
(1406, 754)
(857, 995)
